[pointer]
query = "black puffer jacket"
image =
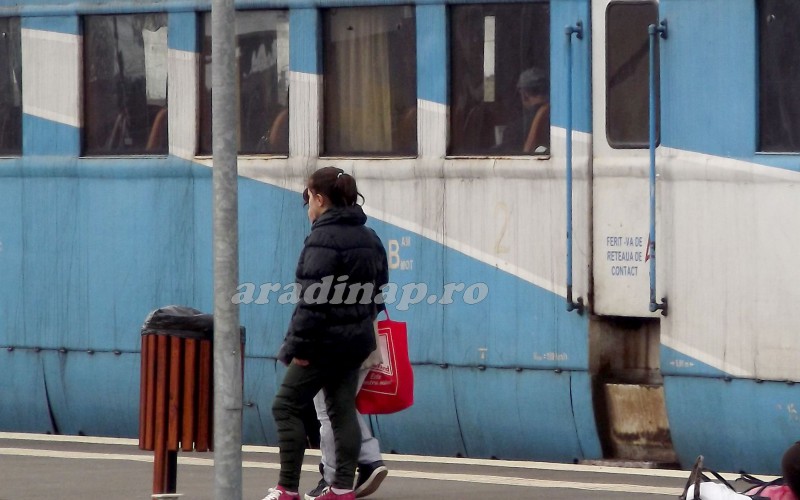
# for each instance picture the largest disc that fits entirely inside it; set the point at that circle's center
(340, 250)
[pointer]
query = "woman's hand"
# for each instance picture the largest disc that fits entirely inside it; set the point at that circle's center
(300, 362)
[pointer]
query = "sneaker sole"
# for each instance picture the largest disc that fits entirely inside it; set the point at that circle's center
(373, 482)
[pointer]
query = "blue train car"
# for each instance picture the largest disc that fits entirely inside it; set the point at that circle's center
(520, 160)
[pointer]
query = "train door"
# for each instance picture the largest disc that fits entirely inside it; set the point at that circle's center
(624, 334)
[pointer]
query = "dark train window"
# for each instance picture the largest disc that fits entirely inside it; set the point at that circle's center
(628, 74)
(500, 86)
(10, 87)
(779, 76)
(370, 75)
(125, 78)
(262, 49)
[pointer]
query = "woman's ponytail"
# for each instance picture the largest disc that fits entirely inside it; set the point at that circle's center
(345, 189)
(335, 184)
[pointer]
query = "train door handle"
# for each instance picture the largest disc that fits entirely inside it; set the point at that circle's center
(577, 30)
(654, 32)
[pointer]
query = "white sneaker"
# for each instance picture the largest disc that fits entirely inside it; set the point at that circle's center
(279, 493)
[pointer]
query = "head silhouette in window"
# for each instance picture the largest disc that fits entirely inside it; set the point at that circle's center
(528, 132)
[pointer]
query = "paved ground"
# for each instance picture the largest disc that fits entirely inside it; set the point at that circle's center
(39, 467)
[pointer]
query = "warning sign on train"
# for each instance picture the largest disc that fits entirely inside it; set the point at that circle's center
(625, 255)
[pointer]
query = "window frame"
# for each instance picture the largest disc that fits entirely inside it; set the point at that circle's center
(763, 111)
(159, 119)
(613, 142)
(276, 126)
(404, 124)
(497, 108)
(14, 150)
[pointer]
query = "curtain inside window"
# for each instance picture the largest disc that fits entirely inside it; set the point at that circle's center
(358, 87)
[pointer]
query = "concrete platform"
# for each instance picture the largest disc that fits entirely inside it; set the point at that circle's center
(44, 467)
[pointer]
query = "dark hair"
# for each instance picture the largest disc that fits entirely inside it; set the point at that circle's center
(336, 185)
(533, 81)
(790, 467)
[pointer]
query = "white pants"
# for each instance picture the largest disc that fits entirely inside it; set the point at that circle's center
(370, 447)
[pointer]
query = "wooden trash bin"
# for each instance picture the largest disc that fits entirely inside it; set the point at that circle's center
(176, 396)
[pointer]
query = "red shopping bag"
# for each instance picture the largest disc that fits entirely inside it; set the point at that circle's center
(389, 386)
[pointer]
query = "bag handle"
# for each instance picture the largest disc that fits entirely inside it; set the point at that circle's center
(759, 483)
(774, 482)
(719, 478)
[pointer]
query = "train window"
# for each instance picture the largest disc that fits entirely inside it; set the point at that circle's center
(628, 73)
(370, 103)
(10, 88)
(125, 75)
(500, 91)
(262, 50)
(779, 76)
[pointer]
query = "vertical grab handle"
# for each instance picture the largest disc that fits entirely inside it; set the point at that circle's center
(654, 31)
(576, 30)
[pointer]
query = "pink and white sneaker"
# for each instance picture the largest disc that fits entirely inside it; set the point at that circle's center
(280, 493)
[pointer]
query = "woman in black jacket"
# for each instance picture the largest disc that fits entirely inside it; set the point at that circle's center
(340, 272)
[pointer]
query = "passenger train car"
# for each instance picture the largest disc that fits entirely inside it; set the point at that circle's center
(522, 162)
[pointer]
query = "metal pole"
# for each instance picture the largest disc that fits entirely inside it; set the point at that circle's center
(227, 338)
